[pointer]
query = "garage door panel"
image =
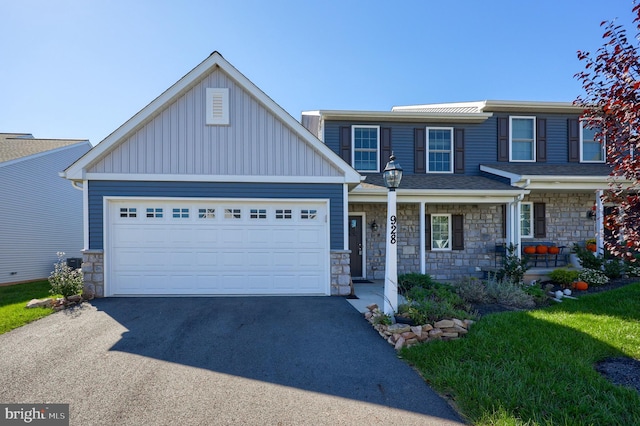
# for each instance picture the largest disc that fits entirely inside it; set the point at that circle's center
(193, 253)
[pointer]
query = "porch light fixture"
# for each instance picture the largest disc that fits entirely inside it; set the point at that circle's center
(392, 176)
(374, 226)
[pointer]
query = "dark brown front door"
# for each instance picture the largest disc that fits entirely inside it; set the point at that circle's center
(355, 245)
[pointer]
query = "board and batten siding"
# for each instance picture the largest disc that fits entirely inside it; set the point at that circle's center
(177, 140)
(40, 214)
(100, 189)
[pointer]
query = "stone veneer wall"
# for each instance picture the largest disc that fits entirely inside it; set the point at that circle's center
(340, 272)
(567, 223)
(93, 271)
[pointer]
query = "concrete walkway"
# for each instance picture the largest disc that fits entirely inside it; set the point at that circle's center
(215, 361)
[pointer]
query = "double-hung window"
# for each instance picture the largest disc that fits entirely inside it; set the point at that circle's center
(522, 139)
(439, 150)
(591, 149)
(366, 148)
(526, 220)
(441, 232)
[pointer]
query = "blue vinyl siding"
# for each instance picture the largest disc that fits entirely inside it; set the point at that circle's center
(100, 189)
(481, 140)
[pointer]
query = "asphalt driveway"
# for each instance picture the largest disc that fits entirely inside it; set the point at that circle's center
(249, 360)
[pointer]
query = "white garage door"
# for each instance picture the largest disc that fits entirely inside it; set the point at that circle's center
(217, 247)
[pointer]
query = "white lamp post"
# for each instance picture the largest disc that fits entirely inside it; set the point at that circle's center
(392, 176)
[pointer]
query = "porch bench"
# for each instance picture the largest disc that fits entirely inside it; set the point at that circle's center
(547, 259)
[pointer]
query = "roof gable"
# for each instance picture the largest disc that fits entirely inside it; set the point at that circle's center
(17, 146)
(170, 137)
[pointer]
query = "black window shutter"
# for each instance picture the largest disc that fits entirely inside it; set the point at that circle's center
(385, 146)
(541, 140)
(457, 227)
(503, 138)
(573, 136)
(458, 151)
(539, 220)
(419, 148)
(427, 231)
(503, 213)
(345, 143)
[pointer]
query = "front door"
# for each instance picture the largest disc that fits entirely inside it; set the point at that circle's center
(355, 245)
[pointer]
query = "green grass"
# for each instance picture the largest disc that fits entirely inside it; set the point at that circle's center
(13, 300)
(537, 367)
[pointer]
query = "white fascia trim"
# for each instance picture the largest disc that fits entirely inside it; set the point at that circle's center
(437, 117)
(215, 178)
(345, 217)
(77, 169)
(513, 177)
(438, 198)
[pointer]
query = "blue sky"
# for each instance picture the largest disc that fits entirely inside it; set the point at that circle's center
(81, 68)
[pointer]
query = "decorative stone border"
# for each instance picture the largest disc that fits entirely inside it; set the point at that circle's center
(404, 335)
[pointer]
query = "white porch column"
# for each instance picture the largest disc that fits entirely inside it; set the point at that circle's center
(423, 251)
(599, 223)
(517, 240)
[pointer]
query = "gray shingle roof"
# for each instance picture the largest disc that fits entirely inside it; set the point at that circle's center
(18, 145)
(573, 169)
(440, 181)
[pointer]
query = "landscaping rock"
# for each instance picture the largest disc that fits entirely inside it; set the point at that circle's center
(399, 328)
(444, 324)
(373, 307)
(417, 330)
(39, 303)
(75, 298)
(399, 343)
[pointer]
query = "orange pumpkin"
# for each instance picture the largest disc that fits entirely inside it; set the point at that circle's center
(529, 250)
(592, 247)
(541, 249)
(581, 285)
(554, 250)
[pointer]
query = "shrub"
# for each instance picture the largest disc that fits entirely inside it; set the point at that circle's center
(613, 268)
(586, 258)
(563, 276)
(593, 277)
(413, 279)
(471, 290)
(514, 267)
(434, 302)
(509, 294)
(65, 280)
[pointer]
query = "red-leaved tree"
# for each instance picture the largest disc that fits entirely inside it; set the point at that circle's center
(611, 81)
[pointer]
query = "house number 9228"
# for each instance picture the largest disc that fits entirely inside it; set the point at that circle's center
(394, 227)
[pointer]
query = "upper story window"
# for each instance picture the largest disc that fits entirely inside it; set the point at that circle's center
(439, 149)
(591, 149)
(366, 148)
(522, 139)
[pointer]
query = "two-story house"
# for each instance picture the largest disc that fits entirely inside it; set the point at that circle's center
(476, 174)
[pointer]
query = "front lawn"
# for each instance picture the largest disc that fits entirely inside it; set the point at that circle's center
(13, 300)
(537, 367)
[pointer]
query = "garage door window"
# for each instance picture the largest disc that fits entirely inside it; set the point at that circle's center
(283, 214)
(154, 212)
(258, 214)
(128, 212)
(232, 214)
(308, 214)
(180, 213)
(206, 213)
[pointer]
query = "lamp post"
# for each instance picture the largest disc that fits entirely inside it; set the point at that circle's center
(392, 176)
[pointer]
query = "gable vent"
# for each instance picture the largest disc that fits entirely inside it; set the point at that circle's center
(217, 106)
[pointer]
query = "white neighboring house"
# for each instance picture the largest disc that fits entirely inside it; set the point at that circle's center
(40, 213)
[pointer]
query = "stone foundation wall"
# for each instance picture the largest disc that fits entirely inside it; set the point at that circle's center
(340, 272)
(93, 271)
(567, 223)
